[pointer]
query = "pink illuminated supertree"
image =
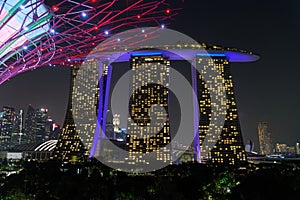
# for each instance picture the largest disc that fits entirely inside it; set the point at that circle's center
(52, 32)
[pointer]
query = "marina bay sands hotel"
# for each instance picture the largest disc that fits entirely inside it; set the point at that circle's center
(223, 145)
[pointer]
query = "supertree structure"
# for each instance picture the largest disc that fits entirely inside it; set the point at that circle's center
(35, 33)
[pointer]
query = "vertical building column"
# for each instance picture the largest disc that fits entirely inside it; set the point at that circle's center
(228, 148)
(197, 153)
(105, 72)
(99, 111)
(69, 147)
(146, 140)
(106, 99)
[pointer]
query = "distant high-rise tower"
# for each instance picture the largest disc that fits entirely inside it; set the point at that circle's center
(154, 69)
(298, 148)
(229, 148)
(41, 117)
(30, 126)
(35, 125)
(17, 127)
(48, 127)
(116, 122)
(6, 127)
(264, 137)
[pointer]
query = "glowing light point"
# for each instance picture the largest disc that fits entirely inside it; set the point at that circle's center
(69, 60)
(25, 47)
(119, 40)
(168, 11)
(162, 26)
(138, 16)
(83, 14)
(54, 8)
(52, 31)
(143, 30)
(106, 32)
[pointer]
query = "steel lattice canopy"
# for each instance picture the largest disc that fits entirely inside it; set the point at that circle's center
(49, 32)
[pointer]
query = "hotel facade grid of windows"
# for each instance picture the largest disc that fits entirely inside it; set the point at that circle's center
(76, 140)
(150, 81)
(69, 146)
(229, 148)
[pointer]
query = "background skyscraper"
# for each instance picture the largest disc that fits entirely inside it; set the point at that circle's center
(41, 117)
(285, 149)
(298, 148)
(116, 122)
(30, 126)
(17, 128)
(37, 126)
(6, 127)
(265, 140)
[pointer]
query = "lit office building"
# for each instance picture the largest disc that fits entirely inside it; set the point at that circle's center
(265, 140)
(30, 126)
(16, 136)
(6, 127)
(41, 117)
(116, 122)
(49, 127)
(285, 149)
(298, 148)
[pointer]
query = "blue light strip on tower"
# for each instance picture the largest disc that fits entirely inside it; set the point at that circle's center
(197, 153)
(146, 54)
(212, 54)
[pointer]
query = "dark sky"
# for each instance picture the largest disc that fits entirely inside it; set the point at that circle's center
(266, 90)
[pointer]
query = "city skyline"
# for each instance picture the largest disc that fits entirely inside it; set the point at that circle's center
(257, 100)
(149, 99)
(19, 128)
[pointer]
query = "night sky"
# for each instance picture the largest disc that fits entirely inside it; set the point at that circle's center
(266, 90)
